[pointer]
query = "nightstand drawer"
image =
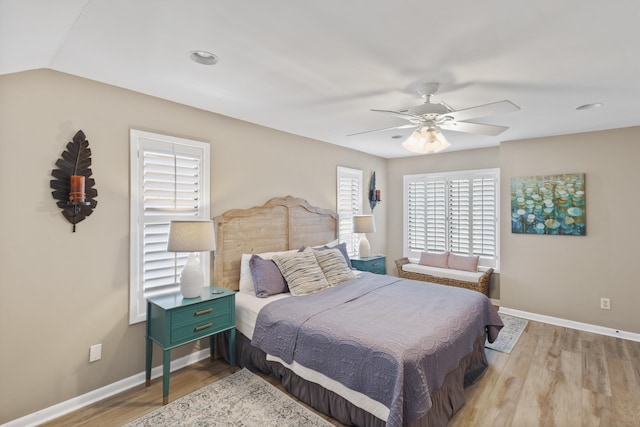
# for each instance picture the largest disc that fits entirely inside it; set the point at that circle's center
(377, 267)
(196, 312)
(201, 327)
(375, 264)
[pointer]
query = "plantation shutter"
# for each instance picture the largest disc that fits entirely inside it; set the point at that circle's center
(484, 216)
(455, 212)
(436, 216)
(459, 217)
(170, 191)
(349, 203)
(172, 184)
(416, 221)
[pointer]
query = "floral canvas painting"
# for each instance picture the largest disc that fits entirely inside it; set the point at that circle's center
(551, 204)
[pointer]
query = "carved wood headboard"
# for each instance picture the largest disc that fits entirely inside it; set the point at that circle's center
(281, 224)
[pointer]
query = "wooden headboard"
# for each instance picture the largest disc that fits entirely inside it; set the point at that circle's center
(281, 224)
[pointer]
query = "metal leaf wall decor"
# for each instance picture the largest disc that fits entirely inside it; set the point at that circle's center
(75, 160)
(373, 200)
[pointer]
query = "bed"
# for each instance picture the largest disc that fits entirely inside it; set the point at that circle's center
(409, 369)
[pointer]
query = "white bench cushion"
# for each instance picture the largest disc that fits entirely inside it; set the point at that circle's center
(448, 273)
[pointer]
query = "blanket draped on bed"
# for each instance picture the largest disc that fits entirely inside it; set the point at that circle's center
(391, 339)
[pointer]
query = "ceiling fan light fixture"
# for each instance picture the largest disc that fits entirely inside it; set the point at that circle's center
(426, 140)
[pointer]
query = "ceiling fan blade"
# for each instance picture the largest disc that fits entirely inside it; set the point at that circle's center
(382, 130)
(399, 114)
(492, 109)
(483, 129)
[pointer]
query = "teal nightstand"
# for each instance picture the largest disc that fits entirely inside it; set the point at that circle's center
(173, 321)
(374, 264)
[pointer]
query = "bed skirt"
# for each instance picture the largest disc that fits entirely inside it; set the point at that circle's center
(446, 401)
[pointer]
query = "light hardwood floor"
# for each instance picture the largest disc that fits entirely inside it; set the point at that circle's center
(553, 377)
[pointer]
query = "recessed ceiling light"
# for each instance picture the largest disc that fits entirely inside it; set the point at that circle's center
(589, 106)
(203, 57)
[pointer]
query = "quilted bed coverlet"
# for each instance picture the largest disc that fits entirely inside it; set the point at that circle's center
(391, 339)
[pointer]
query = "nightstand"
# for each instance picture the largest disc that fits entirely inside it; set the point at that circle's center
(173, 321)
(374, 264)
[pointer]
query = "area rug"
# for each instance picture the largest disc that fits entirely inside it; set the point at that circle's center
(241, 399)
(508, 336)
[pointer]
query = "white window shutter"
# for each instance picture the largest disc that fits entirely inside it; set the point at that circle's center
(436, 215)
(459, 217)
(454, 212)
(170, 181)
(416, 221)
(349, 203)
(484, 216)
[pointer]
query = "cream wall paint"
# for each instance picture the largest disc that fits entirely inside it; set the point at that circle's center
(63, 292)
(484, 158)
(565, 276)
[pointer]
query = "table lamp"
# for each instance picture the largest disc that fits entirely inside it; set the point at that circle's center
(192, 237)
(364, 224)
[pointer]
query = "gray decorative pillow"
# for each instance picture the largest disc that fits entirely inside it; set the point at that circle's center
(267, 279)
(334, 266)
(302, 272)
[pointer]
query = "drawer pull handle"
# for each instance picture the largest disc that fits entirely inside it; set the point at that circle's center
(208, 310)
(199, 328)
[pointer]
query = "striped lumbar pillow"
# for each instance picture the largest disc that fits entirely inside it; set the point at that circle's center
(302, 272)
(334, 266)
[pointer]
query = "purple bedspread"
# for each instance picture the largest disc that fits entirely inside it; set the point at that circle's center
(391, 339)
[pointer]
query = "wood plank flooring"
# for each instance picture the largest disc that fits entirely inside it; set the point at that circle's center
(557, 377)
(553, 377)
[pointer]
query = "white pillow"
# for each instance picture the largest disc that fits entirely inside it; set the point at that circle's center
(246, 281)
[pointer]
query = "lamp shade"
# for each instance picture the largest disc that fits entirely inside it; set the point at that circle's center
(191, 236)
(364, 224)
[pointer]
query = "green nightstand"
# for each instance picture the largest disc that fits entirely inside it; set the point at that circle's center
(374, 264)
(173, 321)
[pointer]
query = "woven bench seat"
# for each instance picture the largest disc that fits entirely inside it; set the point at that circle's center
(481, 284)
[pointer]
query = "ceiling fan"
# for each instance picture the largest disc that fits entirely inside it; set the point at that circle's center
(430, 118)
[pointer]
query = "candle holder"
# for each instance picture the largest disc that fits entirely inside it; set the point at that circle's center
(73, 187)
(77, 212)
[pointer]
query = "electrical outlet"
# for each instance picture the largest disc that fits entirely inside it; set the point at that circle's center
(605, 303)
(95, 352)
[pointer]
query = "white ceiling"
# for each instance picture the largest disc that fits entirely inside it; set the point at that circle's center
(316, 68)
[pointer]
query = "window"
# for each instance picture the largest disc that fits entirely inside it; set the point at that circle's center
(169, 180)
(454, 212)
(349, 203)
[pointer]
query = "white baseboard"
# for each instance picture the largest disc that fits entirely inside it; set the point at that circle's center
(78, 402)
(631, 336)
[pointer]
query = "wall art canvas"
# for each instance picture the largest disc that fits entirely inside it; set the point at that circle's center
(550, 204)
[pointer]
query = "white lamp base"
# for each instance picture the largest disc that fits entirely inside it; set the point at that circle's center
(365, 249)
(191, 278)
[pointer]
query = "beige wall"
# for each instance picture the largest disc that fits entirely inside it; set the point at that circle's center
(565, 276)
(484, 158)
(63, 292)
